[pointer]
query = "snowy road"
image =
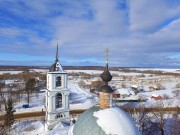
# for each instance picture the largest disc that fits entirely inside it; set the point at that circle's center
(80, 98)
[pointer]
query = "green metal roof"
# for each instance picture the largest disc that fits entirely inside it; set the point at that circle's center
(86, 124)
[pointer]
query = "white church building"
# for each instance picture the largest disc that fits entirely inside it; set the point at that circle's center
(57, 95)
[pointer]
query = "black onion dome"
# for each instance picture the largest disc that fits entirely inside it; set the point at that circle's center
(106, 75)
(106, 89)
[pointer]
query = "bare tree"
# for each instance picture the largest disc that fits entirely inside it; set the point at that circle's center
(175, 124)
(2, 95)
(159, 116)
(29, 88)
(123, 85)
(159, 86)
(3, 130)
(81, 84)
(141, 118)
(176, 93)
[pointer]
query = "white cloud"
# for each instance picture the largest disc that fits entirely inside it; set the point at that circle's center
(144, 32)
(148, 15)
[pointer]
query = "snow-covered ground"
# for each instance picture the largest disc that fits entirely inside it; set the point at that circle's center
(82, 99)
(36, 104)
(37, 128)
(79, 99)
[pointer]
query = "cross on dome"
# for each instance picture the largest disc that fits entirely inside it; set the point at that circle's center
(107, 56)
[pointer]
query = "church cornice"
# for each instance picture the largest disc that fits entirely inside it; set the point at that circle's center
(58, 89)
(58, 111)
(57, 72)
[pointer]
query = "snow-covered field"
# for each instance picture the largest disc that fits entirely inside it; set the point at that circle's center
(175, 70)
(11, 72)
(100, 71)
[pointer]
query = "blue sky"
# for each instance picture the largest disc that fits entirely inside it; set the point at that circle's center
(138, 33)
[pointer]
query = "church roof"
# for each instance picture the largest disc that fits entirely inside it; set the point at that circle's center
(86, 124)
(56, 67)
(96, 121)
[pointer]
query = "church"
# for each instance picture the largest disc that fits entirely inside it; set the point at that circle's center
(102, 119)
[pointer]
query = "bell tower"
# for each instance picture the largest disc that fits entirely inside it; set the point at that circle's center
(57, 95)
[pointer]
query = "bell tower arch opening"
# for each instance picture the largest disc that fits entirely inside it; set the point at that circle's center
(58, 81)
(58, 100)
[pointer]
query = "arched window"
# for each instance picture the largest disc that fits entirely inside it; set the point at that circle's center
(59, 100)
(60, 116)
(58, 81)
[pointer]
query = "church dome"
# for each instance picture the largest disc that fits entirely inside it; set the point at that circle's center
(96, 121)
(106, 75)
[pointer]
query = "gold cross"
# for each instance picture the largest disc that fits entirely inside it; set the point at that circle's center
(107, 50)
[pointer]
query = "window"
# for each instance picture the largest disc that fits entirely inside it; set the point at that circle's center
(60, 116)
(59, 100)
(58, 81)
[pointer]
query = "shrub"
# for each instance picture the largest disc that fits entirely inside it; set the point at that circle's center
(176, 93)
(165, 96)
(159, 86)
(177, 85)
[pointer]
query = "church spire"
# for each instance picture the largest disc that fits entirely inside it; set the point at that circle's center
(57, 54)
(56, 66)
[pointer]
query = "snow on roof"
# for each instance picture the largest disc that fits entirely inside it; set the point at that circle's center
(121, 123)
(125, 91)
(155, 87)
(9, 82)
(155, 95)
(134, 86)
